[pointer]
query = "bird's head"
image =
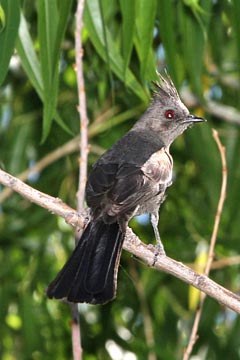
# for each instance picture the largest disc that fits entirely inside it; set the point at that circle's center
(167, 115)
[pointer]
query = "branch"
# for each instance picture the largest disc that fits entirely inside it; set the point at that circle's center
(62, 151)
(52, 204)
(132, 244)
(53, 156)
(193, 337)
(82, 108)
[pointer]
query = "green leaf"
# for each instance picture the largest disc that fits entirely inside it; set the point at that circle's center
(236, 23)
(128, 28)
(64, 8)
(193, 42)
(9, 17)
(52, 22)
(29, 60)
(194, 5)
(151, 73)
(31, 65)
(93, 23)
(145, 21)
(48, 18)
(167, 28)
(2, 19)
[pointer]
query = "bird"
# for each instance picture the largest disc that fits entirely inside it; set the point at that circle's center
(129, 179)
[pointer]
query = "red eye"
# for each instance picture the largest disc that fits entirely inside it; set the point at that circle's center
(169, 114)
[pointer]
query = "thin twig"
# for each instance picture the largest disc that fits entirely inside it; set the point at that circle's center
(82, 108)
(131, 243)
(76, 335)
(193, 338)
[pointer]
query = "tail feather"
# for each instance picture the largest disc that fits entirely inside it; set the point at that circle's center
(90, 274)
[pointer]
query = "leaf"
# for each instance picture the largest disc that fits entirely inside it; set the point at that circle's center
(10, 18)
(31, 65)
(52, 23)
(93, 23)
(48, 18)
(168, 34)
(236, 23)
(145, 21)
(128, 29)
(29, 60)
(194, 5)
(2, 19)
(193, 42)
(64, 8)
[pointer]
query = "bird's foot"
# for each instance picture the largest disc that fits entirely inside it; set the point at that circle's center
(158, 251)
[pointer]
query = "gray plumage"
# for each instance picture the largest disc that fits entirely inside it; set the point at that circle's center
(129, 179)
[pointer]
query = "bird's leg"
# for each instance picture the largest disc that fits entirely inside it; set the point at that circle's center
(159, 248)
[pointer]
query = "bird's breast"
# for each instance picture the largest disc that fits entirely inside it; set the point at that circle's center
(158, 167)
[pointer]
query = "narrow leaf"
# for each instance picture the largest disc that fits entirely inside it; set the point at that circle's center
(236, 23)
(2, 19)
(168, 34)
(64, 8)
(193, 42)
(145, 26)
(29, 60)
(48, 18)
(128, 27)
(31, 65)
(10, 18)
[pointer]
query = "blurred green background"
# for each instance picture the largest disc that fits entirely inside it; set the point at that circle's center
(125, 41)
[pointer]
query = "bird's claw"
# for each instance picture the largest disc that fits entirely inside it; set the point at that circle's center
(159, 251)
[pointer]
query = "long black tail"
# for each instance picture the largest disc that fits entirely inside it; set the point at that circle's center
(90, 274)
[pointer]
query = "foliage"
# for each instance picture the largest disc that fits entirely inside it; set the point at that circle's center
(124, 43)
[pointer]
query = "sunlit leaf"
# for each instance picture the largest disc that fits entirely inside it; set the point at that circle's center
(2, 19)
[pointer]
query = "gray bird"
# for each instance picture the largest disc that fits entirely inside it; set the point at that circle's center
(129, 179)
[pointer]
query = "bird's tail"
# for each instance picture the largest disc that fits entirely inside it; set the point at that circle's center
(90, 274)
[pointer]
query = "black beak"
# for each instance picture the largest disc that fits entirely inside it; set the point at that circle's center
(192, 119)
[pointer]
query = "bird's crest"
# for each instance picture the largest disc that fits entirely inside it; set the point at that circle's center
(165, 88)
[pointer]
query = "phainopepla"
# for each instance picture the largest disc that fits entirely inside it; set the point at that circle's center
(129, 179)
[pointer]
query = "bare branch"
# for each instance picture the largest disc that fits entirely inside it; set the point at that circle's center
(131, 243)
(194, 337)
(66, 149)
(53, 156)
(52, 204)
(82, 108)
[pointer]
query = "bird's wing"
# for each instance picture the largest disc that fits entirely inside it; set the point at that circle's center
(115, 190)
